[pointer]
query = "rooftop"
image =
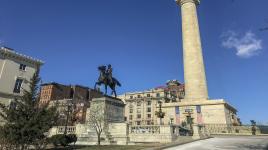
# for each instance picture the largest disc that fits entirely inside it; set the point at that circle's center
(11, 52)
(62, 85)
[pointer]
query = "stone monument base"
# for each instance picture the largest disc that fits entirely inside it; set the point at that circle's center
(204, 114)
(201, 111)
(116, 135)
(116, 131)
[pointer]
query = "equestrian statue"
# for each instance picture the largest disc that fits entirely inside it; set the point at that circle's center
(106, 78)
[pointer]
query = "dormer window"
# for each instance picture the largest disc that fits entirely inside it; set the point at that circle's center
(22, 67)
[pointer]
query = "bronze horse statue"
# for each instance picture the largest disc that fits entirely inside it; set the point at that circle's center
(104, 79)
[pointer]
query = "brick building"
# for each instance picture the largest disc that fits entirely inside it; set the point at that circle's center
(54, 91)
(76, 96)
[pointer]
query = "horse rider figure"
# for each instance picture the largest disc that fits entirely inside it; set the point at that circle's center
(109, 73)
(106, 78)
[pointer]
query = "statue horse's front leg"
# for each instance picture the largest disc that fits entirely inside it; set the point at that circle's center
(96, 83)
(113, 90)
(105, 89)
(115, 95)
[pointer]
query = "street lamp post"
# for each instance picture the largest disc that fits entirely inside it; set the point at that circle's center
(67, 119)
(160, 114)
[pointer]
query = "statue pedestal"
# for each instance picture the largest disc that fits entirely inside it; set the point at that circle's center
(116, 132)
(112, 107)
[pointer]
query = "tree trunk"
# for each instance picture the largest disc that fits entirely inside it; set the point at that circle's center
(99, 139)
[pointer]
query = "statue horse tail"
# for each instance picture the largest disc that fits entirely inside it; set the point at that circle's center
(117, 82)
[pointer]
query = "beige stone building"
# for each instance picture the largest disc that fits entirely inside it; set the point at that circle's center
(141, 106)
(16, 70)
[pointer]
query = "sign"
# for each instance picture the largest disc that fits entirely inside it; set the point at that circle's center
(188, 110)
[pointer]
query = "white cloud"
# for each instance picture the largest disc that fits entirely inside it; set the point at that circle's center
(246, 46)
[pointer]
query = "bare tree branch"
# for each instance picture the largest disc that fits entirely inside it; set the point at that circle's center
(97, 120)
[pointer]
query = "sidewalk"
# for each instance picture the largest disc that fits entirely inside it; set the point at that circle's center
(180, 141)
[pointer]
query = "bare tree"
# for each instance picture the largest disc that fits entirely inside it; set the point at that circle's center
(97, 120)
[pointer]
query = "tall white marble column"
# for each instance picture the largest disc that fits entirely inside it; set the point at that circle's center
(194, 70)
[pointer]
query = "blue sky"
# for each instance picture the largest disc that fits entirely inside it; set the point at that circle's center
(142, 40)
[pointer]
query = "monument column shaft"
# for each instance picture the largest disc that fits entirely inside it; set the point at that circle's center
(194, 70)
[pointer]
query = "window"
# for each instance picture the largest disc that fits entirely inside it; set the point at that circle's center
(138, 123)
(148, 95)
(149, 103)
(149, 109)
(138, 110)
(22, 67)
(131, 97)
(139, 103)
(149, 116)
(148, 122)
(18, 85)
(198, 109)
(157, 94)
(130, 117)
(139, 96)
(139, 116)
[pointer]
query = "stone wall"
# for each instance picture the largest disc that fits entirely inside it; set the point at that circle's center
(153, 134)
(223, 129)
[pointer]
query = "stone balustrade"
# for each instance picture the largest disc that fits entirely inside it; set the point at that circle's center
(146, 129)
(230, 129)
(60, 130)
(153, 133)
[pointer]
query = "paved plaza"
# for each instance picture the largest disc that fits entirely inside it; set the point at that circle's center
(227, 143)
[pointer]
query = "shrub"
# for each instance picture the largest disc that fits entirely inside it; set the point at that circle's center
(63, 140)
(72, 138)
